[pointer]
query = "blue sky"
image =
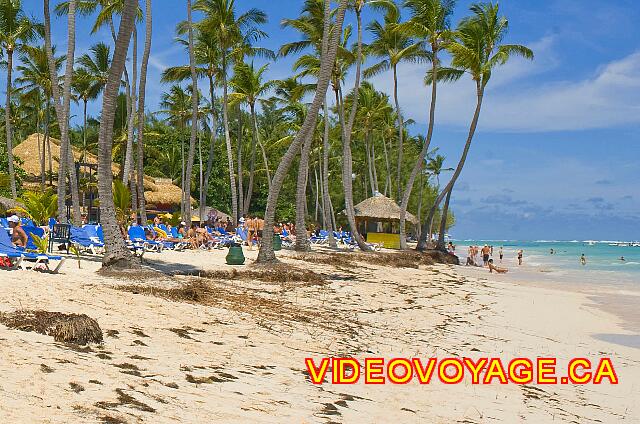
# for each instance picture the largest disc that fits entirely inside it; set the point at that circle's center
(557, 152)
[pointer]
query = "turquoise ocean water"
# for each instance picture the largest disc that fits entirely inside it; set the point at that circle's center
(601, 256)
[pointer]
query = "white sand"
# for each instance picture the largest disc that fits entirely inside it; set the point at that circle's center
(255, 358)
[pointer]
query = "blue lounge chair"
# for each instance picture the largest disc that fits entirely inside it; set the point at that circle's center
(138, 239)
(86, 239)
(18, 256)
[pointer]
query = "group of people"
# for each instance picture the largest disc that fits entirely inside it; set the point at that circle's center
(486, 253)
(254, 227)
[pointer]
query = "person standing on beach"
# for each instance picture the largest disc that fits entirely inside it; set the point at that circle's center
(485, 255)
(583, 260)
(501, 254)
(520, 256)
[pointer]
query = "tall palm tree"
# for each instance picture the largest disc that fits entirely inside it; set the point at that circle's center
(234, 35)
(16, 31)
(117, 254)
(330, 44)
(84, 89)
(394, 46)
(477, 50)
(429, 23)
(186, 184)
(142, 208)
(249, 87)
(35, 77)
(62, 105)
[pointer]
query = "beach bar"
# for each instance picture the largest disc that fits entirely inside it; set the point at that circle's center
(378, 220)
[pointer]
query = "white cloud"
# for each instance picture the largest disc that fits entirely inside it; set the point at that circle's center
(517, 102)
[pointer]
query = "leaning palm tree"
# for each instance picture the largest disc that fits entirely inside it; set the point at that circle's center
(476, 50)
(249, 87)
(16, 31)
(429, 23)
(330, 42)
(117, 254)
(394, 46)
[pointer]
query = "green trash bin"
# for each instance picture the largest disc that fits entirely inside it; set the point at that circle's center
(277, 242)
(235, 255)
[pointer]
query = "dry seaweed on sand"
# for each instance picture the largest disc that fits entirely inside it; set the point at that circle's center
(279, 273)
(78, 329)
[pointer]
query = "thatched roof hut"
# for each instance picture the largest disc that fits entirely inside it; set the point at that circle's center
(29, 152)
(159, 192)
(381, 208)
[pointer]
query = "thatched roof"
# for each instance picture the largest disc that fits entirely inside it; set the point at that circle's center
(158, 191)
(381, 208)
(6, 203)
(29, 154)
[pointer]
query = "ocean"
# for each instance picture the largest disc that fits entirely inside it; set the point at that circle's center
(601, 256)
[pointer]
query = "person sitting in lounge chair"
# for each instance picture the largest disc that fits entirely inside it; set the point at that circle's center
(492, 268)
(18, 237)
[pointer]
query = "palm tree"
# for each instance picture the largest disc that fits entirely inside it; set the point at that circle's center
(234, 36)
(16, 31)
(394, 46)
(249, 87)
(330, 43)
(35, 79)
(207, 55)
(186, 184)
(85, 89)
(429, 23)
(117, 254)
(476, 50)
(62, 105)
(142, 208)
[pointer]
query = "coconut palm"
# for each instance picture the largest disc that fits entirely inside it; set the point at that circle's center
(429, 23)
(62, 105)
(16, 31)
(117, 254)
(477, 50)
(35, 81)
(234, 35)
(394, 46)
(141, 103)
(249, 87)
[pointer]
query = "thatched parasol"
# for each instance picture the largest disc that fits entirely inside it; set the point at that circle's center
(381, 208)
(7, 204)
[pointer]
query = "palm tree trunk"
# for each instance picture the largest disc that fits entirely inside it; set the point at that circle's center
(200, 180)
(116, 253)
(240, 170)
(400, 130)
(194, 122)
(128, 157)
(330, 47)
(43, 157)
(449, 187)
(347, 167)
(227, 139)
(252, 160)
(367, 148)
(142, 204)
(7, 123)
(302, 239)
(387, 184)
(214, 126)
(47, 140)
(420, 160)
(84, 131)
(327, 209)
(266, 163)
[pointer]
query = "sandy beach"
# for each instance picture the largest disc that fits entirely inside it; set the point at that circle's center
(239, 355)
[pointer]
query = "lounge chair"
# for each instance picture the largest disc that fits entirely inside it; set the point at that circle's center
(60, 233)
(138, 238)
(18, 255)
(86, 239)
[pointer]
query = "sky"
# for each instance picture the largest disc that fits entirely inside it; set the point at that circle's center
(556, 155)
